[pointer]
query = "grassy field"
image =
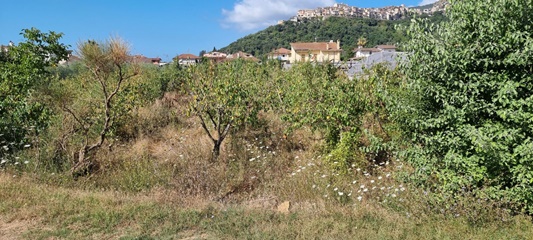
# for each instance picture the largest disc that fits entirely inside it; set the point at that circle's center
(30, 210)
(265, 185)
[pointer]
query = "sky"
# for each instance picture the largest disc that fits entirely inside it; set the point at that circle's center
(158, 28)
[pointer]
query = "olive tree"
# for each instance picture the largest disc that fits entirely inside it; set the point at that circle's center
(468, 104)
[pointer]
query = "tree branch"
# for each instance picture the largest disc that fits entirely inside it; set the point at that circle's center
(202, 122)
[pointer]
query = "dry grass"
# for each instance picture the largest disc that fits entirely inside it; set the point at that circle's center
(163, 184)
(38, 211)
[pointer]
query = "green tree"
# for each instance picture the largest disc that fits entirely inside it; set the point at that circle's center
(225, 97)
(24, 68)
(348, 112)
(469, 101)
(361, 41)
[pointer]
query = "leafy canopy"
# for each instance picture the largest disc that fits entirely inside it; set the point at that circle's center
(470, 109)
(23, 68)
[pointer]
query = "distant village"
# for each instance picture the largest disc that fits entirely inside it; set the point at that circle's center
(384, 13)
(319, 52)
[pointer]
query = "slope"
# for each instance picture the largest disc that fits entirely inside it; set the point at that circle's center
(347, 30)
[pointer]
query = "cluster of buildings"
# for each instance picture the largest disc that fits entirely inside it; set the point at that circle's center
(316, 52)
(343, 10)
(439, 6)
(319, 52)
(330, 52)
(323, 52)
(188, 59)
(384, 13)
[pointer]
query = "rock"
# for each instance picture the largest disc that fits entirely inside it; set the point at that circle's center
(284, 207)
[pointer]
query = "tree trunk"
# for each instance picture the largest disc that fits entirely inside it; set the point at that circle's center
(216, 149)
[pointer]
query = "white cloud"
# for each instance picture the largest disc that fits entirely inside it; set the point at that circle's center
(426, 2)
(254, 14)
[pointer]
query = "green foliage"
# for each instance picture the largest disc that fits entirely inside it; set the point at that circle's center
(351, 114)
(226, 96)
(23, 69)
(347, 30)
(468, 105)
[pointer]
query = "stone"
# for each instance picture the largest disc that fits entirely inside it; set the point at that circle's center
(284, 207)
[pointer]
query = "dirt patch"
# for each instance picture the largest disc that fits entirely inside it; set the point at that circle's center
(10, 230)
(192, 235)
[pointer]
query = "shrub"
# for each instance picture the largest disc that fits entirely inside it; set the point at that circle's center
(469, 104)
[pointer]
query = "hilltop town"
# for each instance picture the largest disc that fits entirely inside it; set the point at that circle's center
(384, 13)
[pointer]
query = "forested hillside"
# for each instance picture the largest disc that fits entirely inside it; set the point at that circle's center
(347, 30)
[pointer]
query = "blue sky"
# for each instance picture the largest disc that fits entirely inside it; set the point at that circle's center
(158, 28)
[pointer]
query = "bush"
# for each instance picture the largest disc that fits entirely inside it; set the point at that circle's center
(469, 104)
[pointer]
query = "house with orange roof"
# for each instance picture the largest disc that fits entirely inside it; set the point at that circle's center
(320, 52)
(143, 59)
(187, 59)
(216, 56)
(281, 54)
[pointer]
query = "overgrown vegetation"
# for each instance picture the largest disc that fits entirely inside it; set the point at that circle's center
(438, 148)
(24, 70)
(469, 105)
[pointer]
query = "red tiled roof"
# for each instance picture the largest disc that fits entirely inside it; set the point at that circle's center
(143, 59)
(281, 51)
(322, 46)
(188, 56)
